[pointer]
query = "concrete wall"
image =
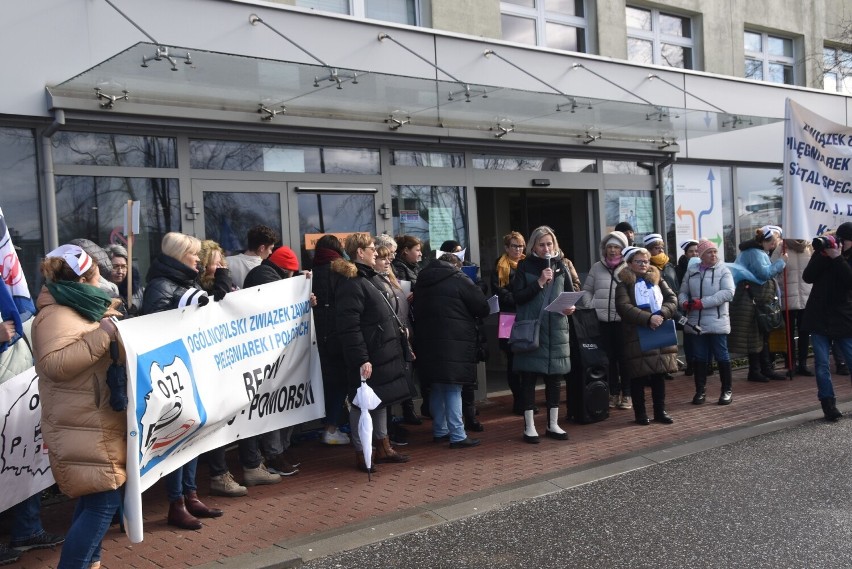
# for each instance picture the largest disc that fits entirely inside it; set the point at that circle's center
(479, 18)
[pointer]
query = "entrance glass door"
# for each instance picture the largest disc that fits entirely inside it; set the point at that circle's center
(224, 210)
(331, 208)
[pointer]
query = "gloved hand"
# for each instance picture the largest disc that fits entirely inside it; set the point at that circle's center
(696, 304)
(687, 305)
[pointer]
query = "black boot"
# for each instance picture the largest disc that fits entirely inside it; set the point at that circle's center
(754, 369)
(726, 376)
(767, 365)
(830, 410)
(637, 394)
(700, 370)
(689, 368)
(469, 409)
(409, 417)
(658, 396)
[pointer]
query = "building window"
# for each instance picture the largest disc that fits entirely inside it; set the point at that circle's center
(433, 214)
(655, 37)
(399, 11)
(19, 200)
(558, 24)
(837, 70)
(258, 157)
(769, 58)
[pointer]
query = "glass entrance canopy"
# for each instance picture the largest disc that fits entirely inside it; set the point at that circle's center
(174, 78)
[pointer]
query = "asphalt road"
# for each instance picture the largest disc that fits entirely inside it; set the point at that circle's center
(780, 500)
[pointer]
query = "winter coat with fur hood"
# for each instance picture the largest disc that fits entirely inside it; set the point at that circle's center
(797, 290)
(636, 363)
(86, 439)
(599, 288)
(368, 332)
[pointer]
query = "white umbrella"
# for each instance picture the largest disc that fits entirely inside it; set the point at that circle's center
(366, 400)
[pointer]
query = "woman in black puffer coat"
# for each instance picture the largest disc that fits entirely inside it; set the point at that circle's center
(371, 341)
(324, 282)
(171, 283)
(448, 304)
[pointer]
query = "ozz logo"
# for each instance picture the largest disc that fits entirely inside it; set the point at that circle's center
(171, 411)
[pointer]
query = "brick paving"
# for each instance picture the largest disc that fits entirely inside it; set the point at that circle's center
(329, 493)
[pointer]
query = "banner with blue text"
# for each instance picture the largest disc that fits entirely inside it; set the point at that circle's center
(205, 376)
(817, 181)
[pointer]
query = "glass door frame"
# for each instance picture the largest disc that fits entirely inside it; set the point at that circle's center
(193, 211)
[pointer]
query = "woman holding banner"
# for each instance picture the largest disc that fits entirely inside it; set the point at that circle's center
(171, 284)
(86, 439)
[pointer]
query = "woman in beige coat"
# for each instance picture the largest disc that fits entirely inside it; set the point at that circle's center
(85, 438)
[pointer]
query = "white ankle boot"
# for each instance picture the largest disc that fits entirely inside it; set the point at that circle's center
(530, 434)
(554, 431)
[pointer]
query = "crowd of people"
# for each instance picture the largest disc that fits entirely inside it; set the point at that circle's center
(411, 328)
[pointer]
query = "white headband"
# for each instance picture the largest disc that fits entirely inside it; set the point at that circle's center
(768, 229)
(688, 243)
(77, 259)
(653, 238)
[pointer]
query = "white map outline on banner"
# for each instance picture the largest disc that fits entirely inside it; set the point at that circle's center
(203, 377)
(22, 453)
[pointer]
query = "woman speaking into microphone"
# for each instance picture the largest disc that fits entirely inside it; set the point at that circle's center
(539, 279)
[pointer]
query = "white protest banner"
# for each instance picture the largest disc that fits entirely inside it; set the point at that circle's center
(25, 467)
(205, 376)
(817, 181)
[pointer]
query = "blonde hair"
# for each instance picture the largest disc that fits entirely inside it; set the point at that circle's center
(177, 245)
(383, 251)
(205, 255)
(357, 241)
(537, 234)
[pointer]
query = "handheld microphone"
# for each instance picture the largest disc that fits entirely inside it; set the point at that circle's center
(684, 321)
(549, 259)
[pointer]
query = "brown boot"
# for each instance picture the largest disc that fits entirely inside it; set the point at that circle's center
(180, 517)
(385, 452)
(361, 465)
(197, 508)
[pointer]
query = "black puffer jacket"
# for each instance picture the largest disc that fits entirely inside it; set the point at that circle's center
(324, 283)
(448, 304)
(405, 271)
(829, 308)
(368, 332)
(504, 293)
(168, 279)
(265, 272)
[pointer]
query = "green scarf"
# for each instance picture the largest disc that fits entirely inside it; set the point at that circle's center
(90, 301)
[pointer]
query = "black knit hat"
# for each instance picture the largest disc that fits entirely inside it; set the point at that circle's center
(624, 226)
(844, 230)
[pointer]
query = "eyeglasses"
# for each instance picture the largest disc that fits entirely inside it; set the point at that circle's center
(513, 246)
(373, 247)
(638, 262)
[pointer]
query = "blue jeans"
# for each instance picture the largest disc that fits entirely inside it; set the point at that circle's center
(27, 519)
(705, 345)
(92, 517)
(821, 344)
(445, 404)
(182, 480)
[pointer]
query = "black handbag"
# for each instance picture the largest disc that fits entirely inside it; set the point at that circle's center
(116, 380)
(767, 314)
